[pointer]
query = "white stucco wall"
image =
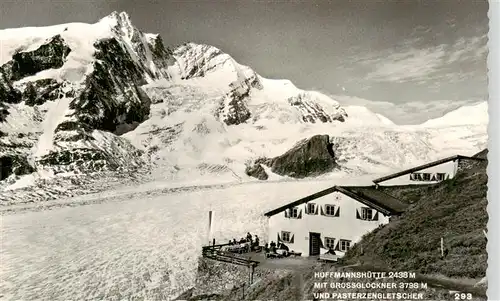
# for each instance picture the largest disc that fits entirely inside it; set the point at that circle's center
(346, 226)
(449, 168)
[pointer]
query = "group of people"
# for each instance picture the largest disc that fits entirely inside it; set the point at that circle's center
(272, 247)
(254, 242)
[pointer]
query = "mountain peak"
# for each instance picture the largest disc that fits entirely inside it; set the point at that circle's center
(198, 60)
(118, 16)
(121, 23)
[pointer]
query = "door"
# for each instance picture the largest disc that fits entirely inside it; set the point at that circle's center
(314, 243)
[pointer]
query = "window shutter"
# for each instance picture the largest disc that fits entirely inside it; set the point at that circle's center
(300, 214)
(322, 212)
(279, 238)
(337, 246)
(375, 217)
(337, 214)
(321, 243)
(291, 238)
(357, 214)
(317, 208)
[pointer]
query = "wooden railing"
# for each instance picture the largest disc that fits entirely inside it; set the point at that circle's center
(219, 246)
(214, 252)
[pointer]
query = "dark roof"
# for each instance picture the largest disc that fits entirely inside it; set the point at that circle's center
(367, 195)
(424, 166)
(376, 198)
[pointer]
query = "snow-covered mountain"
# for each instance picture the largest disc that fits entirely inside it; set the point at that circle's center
(476, 114)
(94, 98)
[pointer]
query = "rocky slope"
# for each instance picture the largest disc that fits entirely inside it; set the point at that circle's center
(310, 157)
(65, 103)
(101, 98)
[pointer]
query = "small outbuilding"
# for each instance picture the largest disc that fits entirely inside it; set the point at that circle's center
(429, 173)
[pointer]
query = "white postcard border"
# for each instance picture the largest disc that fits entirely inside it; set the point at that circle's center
(493, 272)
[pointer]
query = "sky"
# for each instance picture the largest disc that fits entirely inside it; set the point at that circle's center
(409, 60)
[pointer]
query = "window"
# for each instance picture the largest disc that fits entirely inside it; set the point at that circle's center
(286, 236)
(330, 243)
(330, 210)
(427, 177)
(416, 177)
(344, 245)
(311, 208)
(366, 214)
(294, 212)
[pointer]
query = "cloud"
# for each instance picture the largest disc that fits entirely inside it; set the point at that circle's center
(409, 66)
(409, 63)
(415, 112)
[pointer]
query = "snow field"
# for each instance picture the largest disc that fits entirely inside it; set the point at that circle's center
(145, 247)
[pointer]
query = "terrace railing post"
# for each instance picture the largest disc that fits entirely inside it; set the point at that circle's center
(249, 274)
(442, 248)
(252, 269)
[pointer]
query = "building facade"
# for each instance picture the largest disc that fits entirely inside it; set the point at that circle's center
(335, 218)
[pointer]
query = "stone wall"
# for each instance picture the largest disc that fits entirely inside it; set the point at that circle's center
(216, 277)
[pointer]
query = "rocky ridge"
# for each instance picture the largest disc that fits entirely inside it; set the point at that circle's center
(310, 157)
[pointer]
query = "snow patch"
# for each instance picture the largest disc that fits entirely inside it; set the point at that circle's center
(23, 181)
(56, 114)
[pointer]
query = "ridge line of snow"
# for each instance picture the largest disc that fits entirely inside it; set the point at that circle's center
(475, 114)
